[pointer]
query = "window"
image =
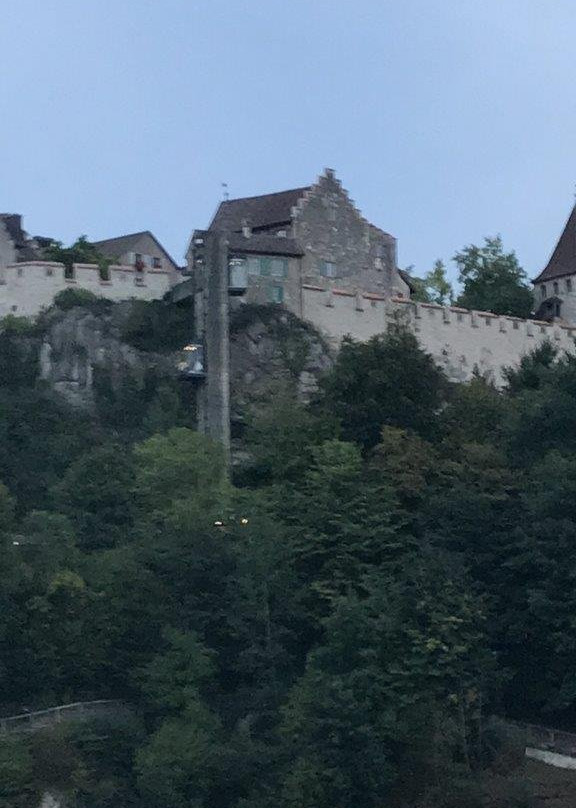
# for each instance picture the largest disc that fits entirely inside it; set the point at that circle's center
(515, 325)
(543, 291)
(156, 263)
(327, 269)
(568, 284)
(279, 267)
(265, 267)
(555, 287)
(253, 265)
(277, 294)
(20, 271)
(49, 272)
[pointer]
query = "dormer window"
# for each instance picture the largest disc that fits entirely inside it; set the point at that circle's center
(543, 291)
(555, 287)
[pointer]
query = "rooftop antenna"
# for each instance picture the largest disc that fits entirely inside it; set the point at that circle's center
(225, 193)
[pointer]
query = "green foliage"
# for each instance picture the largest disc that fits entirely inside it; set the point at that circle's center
(81, 252)
(171, 680)
(97, 496)
(159, 326)
(18, 788)
(178, 465)
(493, 280)
(177, 767)
(434, 287)
(387, 381)
(397, 565)
(71, 298)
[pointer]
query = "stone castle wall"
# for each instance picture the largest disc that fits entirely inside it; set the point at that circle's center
(27, 288)
(459, 340)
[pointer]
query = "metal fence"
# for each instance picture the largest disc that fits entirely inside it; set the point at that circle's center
(80, 711)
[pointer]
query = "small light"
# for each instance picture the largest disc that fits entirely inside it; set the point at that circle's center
(16, 543)
(244, 521)
(219, 524)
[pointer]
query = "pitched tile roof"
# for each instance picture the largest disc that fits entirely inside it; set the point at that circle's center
(258, 211)
(115, 247)
(563, 260)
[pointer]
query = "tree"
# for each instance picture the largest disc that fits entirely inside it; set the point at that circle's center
(81, 252)
(493, 280)
(413, 648)
(434, 287)
(388, 380)
(180, 465)
(97, 495)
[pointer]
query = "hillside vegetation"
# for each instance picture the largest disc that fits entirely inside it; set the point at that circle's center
(391, 566)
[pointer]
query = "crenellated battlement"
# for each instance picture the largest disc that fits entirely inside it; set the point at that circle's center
(27, 288)
(461, 340)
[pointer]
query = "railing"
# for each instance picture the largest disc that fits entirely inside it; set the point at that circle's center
(79, 711)
(549, 740)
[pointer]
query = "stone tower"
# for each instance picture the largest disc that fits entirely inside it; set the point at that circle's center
(555, 286)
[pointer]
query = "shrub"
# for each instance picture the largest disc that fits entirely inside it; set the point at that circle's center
(71, 298)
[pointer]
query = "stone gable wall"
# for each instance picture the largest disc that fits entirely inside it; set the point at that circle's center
(330, 228)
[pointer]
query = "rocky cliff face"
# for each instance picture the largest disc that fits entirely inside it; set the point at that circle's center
(270, 350)
(77, 343)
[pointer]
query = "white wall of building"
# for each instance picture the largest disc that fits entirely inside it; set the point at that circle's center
(459, 340)
(27, 288)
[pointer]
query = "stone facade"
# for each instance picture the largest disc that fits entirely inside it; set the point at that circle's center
(8, 253)
(317, 234)
(141, 250)
(340, 245)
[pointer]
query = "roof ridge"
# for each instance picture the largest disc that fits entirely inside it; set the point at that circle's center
(273, 193)
(125, 235)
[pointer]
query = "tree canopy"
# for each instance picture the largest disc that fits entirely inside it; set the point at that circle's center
(389, 569)
(493, 280)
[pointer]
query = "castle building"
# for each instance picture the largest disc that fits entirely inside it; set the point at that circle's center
(312, 251)
(141, 268)
(281, 242)
(555, 286)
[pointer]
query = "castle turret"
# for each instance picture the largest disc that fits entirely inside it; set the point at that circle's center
(555, 286)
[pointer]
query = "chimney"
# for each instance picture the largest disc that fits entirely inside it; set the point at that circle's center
(246, 229)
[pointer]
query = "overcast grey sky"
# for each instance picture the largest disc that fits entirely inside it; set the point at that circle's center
(446, 120)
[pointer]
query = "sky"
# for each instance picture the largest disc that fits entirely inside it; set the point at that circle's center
(446, 120)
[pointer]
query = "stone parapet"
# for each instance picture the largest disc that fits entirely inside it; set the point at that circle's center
(462, 341)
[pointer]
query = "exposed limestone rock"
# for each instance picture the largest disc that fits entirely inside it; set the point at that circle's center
(79, 341)
(271, 349)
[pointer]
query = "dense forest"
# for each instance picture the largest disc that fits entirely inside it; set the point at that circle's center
(346, 623)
